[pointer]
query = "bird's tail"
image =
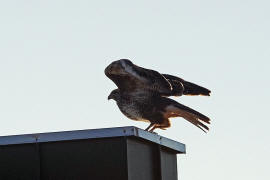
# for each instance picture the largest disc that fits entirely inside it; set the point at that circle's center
(190, 115)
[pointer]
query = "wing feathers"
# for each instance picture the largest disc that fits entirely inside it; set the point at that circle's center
(130, 77)
(194, 89)
(124, 73)
(189, 88)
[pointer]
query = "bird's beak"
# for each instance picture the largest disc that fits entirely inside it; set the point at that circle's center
(109, 97)
(108, 70)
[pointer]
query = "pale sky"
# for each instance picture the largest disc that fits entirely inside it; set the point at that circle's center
(53, 55)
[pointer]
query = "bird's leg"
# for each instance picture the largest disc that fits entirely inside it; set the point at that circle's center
(153, 128)
(152, 124)
(162, 126)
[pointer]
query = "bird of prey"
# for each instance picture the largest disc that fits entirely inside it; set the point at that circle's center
(142, 95)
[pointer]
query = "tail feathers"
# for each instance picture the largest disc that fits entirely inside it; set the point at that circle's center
(192, 112)
(194, 89)
(190, 115)
(196, 122)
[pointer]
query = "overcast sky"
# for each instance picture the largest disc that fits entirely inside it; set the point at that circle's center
(53, 54)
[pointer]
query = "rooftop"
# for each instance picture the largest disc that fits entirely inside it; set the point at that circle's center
(127, 131)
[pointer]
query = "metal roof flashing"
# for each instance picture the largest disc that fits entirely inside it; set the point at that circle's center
(127, 131)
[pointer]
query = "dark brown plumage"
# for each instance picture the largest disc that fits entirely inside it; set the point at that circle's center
(142, 95)
(189, 87)
(130, 77)
(155, 109)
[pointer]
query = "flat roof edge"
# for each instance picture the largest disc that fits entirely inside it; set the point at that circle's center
(93, 134)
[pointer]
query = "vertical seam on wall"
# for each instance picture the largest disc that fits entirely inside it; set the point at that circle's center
(126, 153)
(159, 161)
(38, 160)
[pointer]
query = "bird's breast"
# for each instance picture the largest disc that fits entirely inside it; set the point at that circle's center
(132, 110)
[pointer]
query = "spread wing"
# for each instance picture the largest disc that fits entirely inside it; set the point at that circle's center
(129, 78)
(189, 88)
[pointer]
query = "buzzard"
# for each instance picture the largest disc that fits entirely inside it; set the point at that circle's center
(142, 95)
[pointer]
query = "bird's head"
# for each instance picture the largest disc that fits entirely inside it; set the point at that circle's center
(119, 67)
(115, 95)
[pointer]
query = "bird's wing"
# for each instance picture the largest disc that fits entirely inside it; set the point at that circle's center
(174, 109)
(129, 77)
(153, 80)
(189, 88)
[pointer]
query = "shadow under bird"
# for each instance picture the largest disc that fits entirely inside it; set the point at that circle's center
(142, 95)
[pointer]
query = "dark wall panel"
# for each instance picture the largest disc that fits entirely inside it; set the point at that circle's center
(168, 164)
(96, 159)
(143, 160)
(19, 162)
